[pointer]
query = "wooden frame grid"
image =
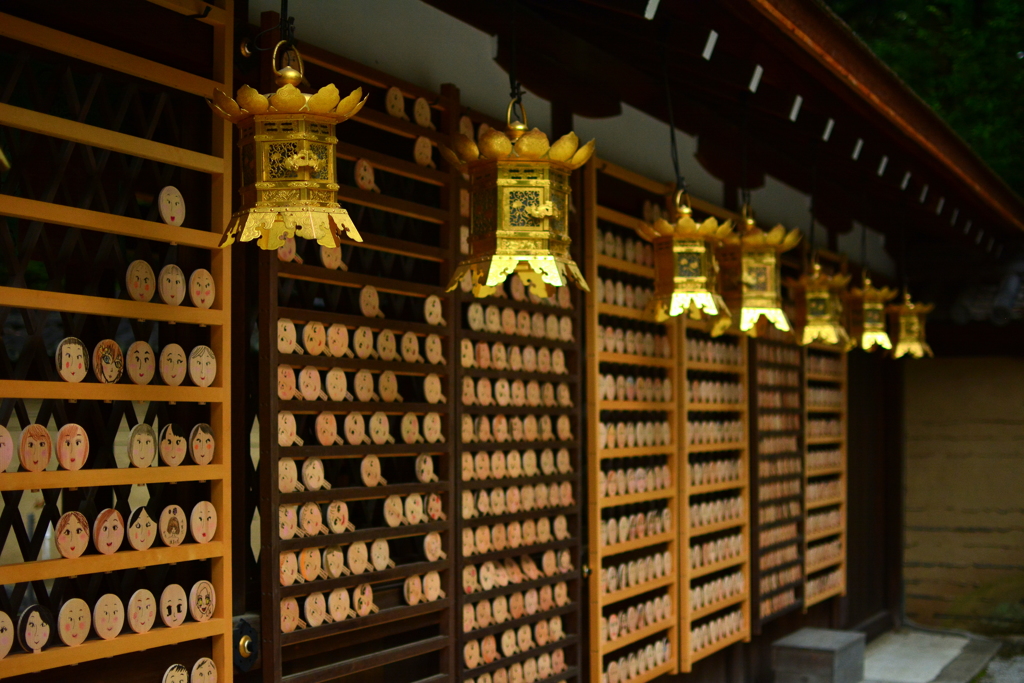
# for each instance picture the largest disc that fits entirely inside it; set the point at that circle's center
(217, 165)
(600, 313)
(691, 408)
(836, 473)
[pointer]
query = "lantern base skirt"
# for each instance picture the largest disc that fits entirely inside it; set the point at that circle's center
(917, 349)
(750, 316)
(539, 273)
(271, 226)
(870, 340)
(825, 333)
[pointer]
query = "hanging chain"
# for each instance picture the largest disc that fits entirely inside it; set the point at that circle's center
(515, 87)
(680, 180)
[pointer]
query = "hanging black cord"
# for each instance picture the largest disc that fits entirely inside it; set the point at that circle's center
(680, 180)
(864, 248)
(286, 27)
(745, 187)
(814, 194)
(515, 87)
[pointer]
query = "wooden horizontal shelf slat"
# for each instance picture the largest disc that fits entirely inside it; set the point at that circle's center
(20, 297)
(637, 635)
(742, 634)
(718, 486)
(86, 391)
(91, 650)
(721, 526)
(196, 9)
(634, 178)
(714, 367)
(557, 477)
(634, 359)
(364, 492)
(364, 534)
(93, 136)
(660, 670)
(813, 568)
(631, 498)
(824, 595)
(811, 505)
(565, 643)
(519, 374)
(825, 533)
(528, 619)
(715, 447)
(331, 672)
(624, 312)
(343, 278)
(47, 212)
(391, 245)
(96, 53)
(375, 324)
(716, 407)
(395, 205)
(534, 549)
(391, 124)
(517, 410)
(366, 407)
(399, 367)
(605, 261)
(824, 472)
(516, 339)
(647, 406)
(633, 591)
(618, 218)
(95, 564)
(535, 513)
(816, 377)
(718, 566)
(619, 548)
(63, 479)
(390, 164)
(521, 587)
(824, 409)
(718, 606)
(636, 451)
(385, 450)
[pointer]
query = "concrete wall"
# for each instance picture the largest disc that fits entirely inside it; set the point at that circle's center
(964, 546)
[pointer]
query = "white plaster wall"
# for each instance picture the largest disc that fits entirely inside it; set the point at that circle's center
(427, 47)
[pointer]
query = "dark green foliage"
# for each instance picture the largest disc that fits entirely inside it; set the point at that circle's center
(965, 58)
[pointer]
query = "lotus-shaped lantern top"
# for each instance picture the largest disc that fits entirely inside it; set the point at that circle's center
(518, 144)
(776, 239)
(685, 228)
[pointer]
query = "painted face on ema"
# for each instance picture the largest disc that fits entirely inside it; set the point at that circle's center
(202, 601)
(108, 616)
(201, 288)
(204, 671)
(6, 634)
(141, 529)
(314, 337)
(286, 339)
(171, 285)
(202, 366)
(107, 362)
(173, 526)
(108, 531)
(203, 521)
(141, 363)
(176, 673)
(173, 445)
(173, 606)
(172, 365)
(6, 448)
(72, 360)
(171, 206)
(36, 448)
(201, 444)
(330, 257)
(142, 445)
(34, 627)
(141, 281)
(74, 622)
(141, 611)
(72, 534)
(72, 447)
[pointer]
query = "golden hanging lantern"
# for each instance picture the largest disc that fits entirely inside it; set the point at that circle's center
(760, 274)
(519, 207)
(910, 338)
(823, 307)
(686, 270)
(288, 165)
(869, 328)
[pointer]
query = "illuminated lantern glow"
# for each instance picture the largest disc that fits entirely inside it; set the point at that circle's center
(686, 270)
(760, 274)
(519, 207)
(872, 300)
(287, 147)
(823, 307)
(910, 337)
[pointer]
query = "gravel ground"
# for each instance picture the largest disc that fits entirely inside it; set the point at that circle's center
(1004, 670)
